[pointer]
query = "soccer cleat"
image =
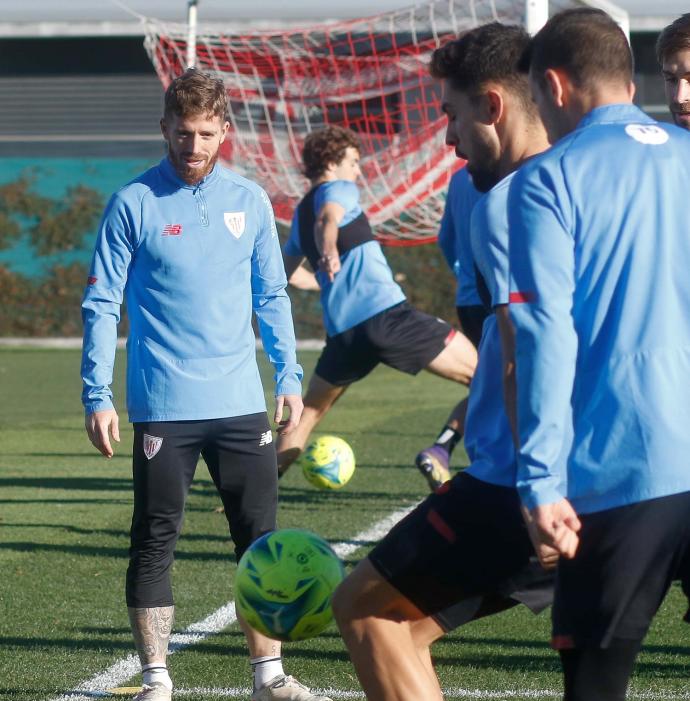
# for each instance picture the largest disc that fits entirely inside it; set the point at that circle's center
(154, 692)
(433, 464)
(286, 688)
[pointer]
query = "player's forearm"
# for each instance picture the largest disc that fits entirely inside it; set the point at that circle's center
(274, 317)
(98, 354)
(545, 356)
(326, 235)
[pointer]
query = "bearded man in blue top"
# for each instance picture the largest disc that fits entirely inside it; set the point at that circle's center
(194, 250)
(367, 318)
(600, 292)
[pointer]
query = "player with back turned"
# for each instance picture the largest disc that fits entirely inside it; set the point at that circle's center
(599, 254)
(464, 552)
(194, 250)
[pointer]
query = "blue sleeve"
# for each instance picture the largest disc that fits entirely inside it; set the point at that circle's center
(463, 197)
(342, 192)
(100, 307)
(292, 245)
(272, 305)
(542, 269)
(490, 236)
(446, 235)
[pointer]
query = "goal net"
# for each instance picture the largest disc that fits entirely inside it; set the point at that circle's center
(370, 75)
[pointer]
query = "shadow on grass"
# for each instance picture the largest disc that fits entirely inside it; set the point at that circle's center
(96, 484)
(120, 553)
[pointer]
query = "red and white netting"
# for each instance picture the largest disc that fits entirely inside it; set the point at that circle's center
(370, 75)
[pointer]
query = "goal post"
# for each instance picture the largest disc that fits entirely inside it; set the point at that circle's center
(369, 74)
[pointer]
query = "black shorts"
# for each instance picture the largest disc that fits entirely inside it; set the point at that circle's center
(241, 460)
(463, 553)
(471, 320)
(402, 337)
(623, 568)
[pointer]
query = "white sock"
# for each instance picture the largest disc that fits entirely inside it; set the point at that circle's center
(156, 673)
(265, 669)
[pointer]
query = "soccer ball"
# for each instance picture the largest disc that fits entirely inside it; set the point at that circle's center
(328, 462)
(284, 584)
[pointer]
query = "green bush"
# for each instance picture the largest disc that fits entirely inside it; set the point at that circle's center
(50, 306)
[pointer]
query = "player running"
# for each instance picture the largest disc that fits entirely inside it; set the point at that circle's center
(194, 249)
(464, 552)
(367, 319)
(673, 54)
(600, 292)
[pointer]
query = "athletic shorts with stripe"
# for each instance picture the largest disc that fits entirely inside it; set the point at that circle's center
(464, 553)
(241, 460)
(402, 337)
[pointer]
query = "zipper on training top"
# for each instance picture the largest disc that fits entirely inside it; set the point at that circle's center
(201, 205)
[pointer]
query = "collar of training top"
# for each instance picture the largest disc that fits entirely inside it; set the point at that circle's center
(613, 114)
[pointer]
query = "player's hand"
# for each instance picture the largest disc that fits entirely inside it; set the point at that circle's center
(548, 556)
(100, 427)
(293, 402)
(329, 263)
(555, 526)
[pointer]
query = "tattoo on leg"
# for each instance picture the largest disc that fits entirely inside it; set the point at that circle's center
(151, 628)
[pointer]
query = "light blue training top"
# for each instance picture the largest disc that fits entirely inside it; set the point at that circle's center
(193, 263)
(454, 236)
(488, 438)
(600, 298)
(364, 286)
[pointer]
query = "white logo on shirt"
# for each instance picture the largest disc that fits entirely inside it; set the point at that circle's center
(647, 134)
(266, 438)
(235, 223)
(152, 444)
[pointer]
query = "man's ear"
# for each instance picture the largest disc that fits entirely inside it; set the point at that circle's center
(224, 131)
(164, 128)
(495, 106)
(559, 86)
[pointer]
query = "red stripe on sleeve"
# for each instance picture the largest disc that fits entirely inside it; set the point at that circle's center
(521, 297)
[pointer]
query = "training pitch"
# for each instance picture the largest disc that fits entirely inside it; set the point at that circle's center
(64, 520)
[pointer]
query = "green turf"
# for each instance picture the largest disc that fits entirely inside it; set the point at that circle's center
(64, 517)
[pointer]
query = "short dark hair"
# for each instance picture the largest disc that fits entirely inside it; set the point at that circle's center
(584, 42)
(490, 53)
(675, 37)
(325, 146)
(195, 92)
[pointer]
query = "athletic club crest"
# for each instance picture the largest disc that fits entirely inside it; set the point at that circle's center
(152, 444)
(235, 223)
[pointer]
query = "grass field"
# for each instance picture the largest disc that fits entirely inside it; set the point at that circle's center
(64, 518)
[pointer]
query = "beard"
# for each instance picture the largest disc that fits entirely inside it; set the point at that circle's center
(190, 175)
(483, 178)
(681, 114)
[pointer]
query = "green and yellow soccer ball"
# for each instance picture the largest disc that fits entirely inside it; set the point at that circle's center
(284, 584)
(328, 462)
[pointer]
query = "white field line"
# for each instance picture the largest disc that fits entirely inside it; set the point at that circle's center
(450, 693)
(125, 669)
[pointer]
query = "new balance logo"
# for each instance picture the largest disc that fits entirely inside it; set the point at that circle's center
(266, 438)
(172, 229)
(152, 444)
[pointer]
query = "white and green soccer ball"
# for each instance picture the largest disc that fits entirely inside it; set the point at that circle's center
(284, 584)
(328, 462)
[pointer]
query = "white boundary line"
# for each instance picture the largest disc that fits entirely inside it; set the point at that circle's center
(126, 668)
(449, 693)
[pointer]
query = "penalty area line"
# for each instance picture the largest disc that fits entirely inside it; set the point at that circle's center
(122, 670)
